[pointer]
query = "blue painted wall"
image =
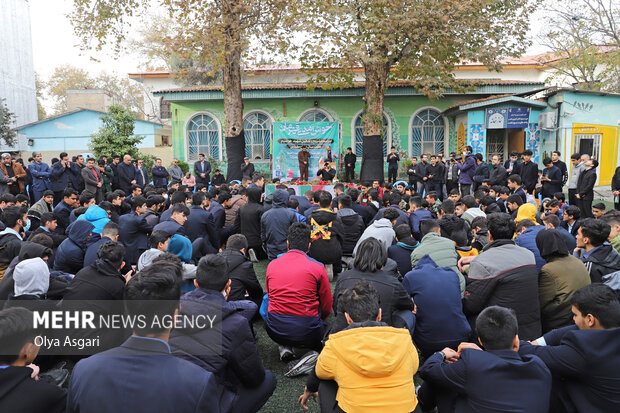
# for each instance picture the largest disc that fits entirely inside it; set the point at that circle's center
(73, 131)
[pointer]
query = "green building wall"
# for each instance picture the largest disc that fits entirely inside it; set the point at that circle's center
(399, 110)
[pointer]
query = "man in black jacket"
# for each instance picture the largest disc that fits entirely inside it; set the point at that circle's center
(20, 389)
(349, 165)
(551, 178)
(326, 234)
(452, 174)
(529, 172)
(599, 257)
(247, 167)
(555, 158)
(498, 174)
(247, 222)
(585, 188)
(352, 224)
(392, 160)
(584, 358)
(200, 222)
(434, 176)
(243, 282)
(368, 265)
(482, 171)
(512, 165)
(228, 350)
(126, 175)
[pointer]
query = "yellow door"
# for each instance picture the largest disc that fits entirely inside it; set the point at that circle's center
(600, 142)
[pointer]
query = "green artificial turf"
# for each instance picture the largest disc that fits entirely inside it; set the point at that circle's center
(288, 390)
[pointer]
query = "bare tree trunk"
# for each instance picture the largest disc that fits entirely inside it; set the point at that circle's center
(233, 103)
(376, 82)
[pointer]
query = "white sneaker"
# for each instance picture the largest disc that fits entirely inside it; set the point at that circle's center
(286, 353)
(252, 255)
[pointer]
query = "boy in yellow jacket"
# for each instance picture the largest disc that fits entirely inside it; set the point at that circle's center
(371, 363)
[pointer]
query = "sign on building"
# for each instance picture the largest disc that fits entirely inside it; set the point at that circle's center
(507, 118)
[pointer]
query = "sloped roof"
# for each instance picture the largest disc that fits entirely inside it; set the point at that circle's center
(288, 86)
(71, 112)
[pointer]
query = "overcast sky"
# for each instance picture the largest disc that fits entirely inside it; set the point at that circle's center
(55, 44)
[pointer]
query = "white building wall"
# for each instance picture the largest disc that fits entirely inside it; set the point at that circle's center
(17, 84)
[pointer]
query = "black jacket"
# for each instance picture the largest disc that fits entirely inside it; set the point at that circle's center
(529, 175)
(553, 186)
(586, 182)
(498, 176)
(326, 236)
(615, 181)
(133, 234)
(516, 168)
(228, 350)
(98, 281)
(353, 227)
(436, 171)
(350, 158)
(391, 293)
(21, 393)
(247, 170)
(563, 170)
(247, 221)
(200, 223)
(602, 261)
(57, 238)
(242, 277)
(482, 173)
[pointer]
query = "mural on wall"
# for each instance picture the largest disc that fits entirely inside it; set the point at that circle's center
(532, 140)
(461, 139)
(476, 140)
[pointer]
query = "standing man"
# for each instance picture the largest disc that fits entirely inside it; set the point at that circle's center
(202, 170)
(552, 178)
(175, 171)
(40, 176)
(160, 175)
(126, 175)
(482, 171)
(76, 178)
(585, 188)
(434, 175)
(15, 172)
(452, 174)
(247, 167)
(116, 159)
(467, 171)
(93, 181)
(512, 165)
(578, 167)
(142, 174)
(304, 157)
(60, 177)
(349, 165)
(420, 173)
(498, 173)
(529, 172)
(392, 160)
(555, 158)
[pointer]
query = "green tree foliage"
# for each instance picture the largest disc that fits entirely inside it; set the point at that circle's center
(116, 134)
(418, 40)
(584, 39)
(8, 136)
(66, 77)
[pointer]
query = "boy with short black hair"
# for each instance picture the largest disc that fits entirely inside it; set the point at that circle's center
(20, 389)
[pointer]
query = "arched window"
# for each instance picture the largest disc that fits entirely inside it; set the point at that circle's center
(358, 135)
(427, 132)
(314, 115)
(257, 128)
(203, 136)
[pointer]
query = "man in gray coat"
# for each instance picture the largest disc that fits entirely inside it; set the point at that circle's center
(176, 174)
(578, 167)
(93, 181)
